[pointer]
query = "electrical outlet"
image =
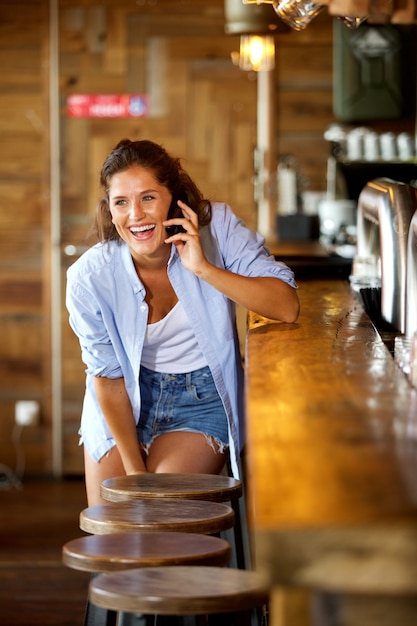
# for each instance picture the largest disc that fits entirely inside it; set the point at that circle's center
(27, 412)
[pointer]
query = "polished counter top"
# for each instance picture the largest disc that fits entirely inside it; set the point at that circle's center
(332, 449)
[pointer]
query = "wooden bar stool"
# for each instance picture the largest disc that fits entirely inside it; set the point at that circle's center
(105, 553)
(210, 487)
(102, 553)
(158, 515)
(228, 594)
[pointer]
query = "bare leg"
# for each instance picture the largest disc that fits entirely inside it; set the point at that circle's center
(108, 467)
(188, 453)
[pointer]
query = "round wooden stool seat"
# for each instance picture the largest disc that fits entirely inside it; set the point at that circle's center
(157, 514)
(183, 486)
(103, 553)
(179, 590)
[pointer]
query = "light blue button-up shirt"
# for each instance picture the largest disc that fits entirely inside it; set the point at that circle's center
(108, 313)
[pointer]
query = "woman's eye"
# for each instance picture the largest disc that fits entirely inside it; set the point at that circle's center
(147, 198)
(119, 202)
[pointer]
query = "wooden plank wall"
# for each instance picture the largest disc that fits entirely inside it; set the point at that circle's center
(23, 227)
(202, 108)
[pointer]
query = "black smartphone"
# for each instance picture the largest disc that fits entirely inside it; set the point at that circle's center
(174, 211)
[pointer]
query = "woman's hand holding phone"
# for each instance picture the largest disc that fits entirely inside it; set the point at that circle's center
(187, 240)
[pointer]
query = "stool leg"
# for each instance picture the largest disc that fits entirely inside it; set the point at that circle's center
(180, 620)
(96, 616)
(238, 536)
(241, 538)
(242, 618)
(132, 619)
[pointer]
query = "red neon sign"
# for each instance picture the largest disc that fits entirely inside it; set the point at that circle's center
(107, 105)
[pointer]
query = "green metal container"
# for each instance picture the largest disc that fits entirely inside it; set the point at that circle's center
(368, 66)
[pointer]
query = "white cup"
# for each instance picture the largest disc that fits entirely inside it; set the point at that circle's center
(371, 146)
(405, 146)
(388, 146)
(355, 143)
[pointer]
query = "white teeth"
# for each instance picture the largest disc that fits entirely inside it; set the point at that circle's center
(142, 229)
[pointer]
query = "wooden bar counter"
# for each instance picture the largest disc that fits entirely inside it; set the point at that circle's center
(332, 461)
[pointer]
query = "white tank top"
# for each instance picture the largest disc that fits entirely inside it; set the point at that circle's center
(170, 345)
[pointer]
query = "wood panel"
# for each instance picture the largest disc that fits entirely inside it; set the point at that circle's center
(35, 587)
(21, 357)
(20, 294)
(303, 98)
(23, 165)
(304, 66)
(303, 111)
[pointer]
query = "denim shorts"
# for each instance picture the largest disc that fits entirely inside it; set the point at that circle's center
(181, 402)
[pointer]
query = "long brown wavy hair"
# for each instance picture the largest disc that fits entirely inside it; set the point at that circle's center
(167, 170)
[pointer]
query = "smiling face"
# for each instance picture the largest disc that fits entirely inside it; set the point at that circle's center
(138, 206)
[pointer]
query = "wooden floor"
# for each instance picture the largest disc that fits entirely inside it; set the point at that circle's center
(35, 521)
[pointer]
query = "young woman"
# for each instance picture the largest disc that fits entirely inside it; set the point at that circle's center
(153, 306)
